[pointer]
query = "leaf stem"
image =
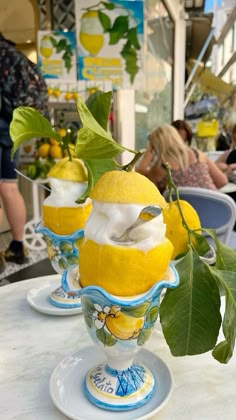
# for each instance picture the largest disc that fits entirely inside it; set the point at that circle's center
(129, 167)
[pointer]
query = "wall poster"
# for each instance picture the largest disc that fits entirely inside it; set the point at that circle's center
(109, 37)
(57, 54)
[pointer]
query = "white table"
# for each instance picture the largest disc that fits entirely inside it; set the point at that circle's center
(32, 344)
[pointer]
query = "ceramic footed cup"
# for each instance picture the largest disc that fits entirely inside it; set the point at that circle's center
(62, 251)
(121, 327)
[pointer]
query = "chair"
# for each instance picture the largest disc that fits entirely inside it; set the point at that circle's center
(215, 209)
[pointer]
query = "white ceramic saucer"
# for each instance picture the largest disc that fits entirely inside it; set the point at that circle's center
(66, 387)
(38, 298)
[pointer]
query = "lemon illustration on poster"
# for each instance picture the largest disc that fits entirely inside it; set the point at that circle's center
(57, 54)
(109, 37)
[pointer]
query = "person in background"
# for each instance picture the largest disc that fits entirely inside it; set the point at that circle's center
(20, 84)
(227, 160)
(184, 130)
(223, 140)
(189, 167)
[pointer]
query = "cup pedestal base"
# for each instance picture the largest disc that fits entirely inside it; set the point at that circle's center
(119, 390)
(68, 294)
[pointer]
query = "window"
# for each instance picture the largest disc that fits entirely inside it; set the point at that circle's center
(153, 105)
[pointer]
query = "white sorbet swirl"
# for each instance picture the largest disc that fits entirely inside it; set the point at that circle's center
(108, 220)
(64, 193)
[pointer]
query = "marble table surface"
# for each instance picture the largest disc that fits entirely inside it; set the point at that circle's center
(32, 344)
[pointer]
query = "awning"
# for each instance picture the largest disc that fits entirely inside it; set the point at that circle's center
(210, 83)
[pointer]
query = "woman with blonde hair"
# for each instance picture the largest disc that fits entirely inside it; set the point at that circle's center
(189, 167)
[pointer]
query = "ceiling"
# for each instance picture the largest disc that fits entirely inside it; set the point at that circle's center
(18, 20)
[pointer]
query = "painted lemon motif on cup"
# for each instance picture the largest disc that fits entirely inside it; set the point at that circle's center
(91, 34)
(123, 326)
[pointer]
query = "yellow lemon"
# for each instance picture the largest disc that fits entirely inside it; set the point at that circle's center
(175, 231)
(120, 270)
(43, 150)
(91, 32)
(127, 187)
(70, 170)
(123, 326)
(124, 270)
(55, 151)
(65, 220)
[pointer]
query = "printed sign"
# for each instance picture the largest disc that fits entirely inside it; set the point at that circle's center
(57, 54)
(109, 37)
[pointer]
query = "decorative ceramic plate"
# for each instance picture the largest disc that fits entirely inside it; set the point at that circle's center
(38, 298)
(66, 387)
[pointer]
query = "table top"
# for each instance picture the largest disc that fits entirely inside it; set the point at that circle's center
(32, 344)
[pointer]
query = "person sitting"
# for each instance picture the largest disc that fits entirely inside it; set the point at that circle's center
(184, 130)
(227, 160)
(189, 167)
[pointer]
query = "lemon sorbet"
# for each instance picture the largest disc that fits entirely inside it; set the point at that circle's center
(61, 214)
(124, 269)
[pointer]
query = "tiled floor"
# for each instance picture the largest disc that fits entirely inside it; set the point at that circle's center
(33, 257)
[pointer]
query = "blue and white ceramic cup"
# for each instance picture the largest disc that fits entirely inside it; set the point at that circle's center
(121, 326)
(63, 253)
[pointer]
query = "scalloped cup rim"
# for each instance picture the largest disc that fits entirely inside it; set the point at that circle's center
(140, 298)
(40, 228)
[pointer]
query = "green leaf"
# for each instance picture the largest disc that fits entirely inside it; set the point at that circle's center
(119, 29)
(66, 246)
(129, 54)
(152, 315)
(132, 36)
(99, 104)
(190, 314)
(224, 350)
(137, 312)
(28, 123)
(105, 21)
(108, 6)
(72, 260)
(105, 338)
(93, 142)
(62, 263)
(144, 336)
(96, 168)
(201, 244)
(88, 307)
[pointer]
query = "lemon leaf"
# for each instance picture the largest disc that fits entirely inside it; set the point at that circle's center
(95, 167)
(190, 314)
(99, 104)
(224, 350)
(105, 21)
(28, 123)
(93, 142)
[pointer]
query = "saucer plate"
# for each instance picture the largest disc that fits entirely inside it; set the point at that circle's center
(38, 298)
(67, 380)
